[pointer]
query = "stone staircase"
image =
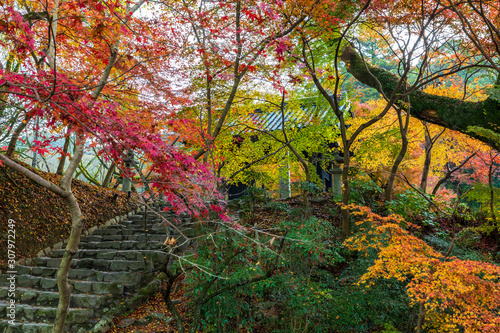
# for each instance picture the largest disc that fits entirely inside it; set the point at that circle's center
(112, 264)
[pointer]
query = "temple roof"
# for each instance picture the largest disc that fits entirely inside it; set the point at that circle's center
(300, 115)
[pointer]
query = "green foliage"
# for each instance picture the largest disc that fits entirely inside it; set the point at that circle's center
(481, 193)
(276, 206)
(389, 328)
(463, 213)
(468, 237)
(313, 290)
(412, 207)
(310, 241)
(440, 241)
(252, 196)
(493, 92)
(488, 134)
(365, 192)
(304, 186)
(223, 259)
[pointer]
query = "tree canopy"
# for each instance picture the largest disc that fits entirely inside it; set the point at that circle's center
(389, 90)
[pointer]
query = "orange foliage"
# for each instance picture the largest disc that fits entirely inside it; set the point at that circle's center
(457, 294)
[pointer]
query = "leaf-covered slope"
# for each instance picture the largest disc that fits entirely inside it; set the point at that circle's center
(42, 218)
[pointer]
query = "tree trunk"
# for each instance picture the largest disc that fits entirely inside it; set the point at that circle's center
(109, 175)
(492, 192)
(73, 241)
(450, 172)
(346, 195)
(421, 317)
(13, 140)
(403, 128)
(64, 191)
(427, 162)
(62, 273)
(305, 166)
(62, 162)
(166, 292)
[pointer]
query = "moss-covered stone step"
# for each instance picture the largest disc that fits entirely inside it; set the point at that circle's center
(25, 327)
(78, 274)
(51, 298)
(137, 230)
(122, 245)
(26, 280)
(154, 216)
(109, 266)
(86, 263)
(35, 313)
(156, 237)
(137, 224)
(151, 228)
(149, 255)
(108, 283)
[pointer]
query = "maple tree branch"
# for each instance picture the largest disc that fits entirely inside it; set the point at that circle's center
(403, 177)
(468, 29)
(450, 172)
(257, 161)
(269, 272)
(238, 75)
(35, 16)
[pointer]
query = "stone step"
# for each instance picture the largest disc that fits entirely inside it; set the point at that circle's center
(167, 221)
(139, 228)
(39, 271)
(139, 237)
(121, 245)
(51, 298)
(102, 283)
(135, 224)
(108, 267)
(90, 263)
(167, 215)
(128, 225)
(150, 255)
(128, 231)
(140, 218)
(37, 313)
(25, 327)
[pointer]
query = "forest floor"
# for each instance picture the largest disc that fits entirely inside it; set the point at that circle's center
(42, 218)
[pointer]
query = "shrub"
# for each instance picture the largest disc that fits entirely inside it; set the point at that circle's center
(365, 192)
(412, 207)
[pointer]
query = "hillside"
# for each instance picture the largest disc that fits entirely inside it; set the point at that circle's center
(42, 218)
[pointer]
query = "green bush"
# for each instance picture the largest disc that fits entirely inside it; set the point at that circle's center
(313, 289)
(276, 206)
(365, 192)
(308, 187)
(412, 207)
